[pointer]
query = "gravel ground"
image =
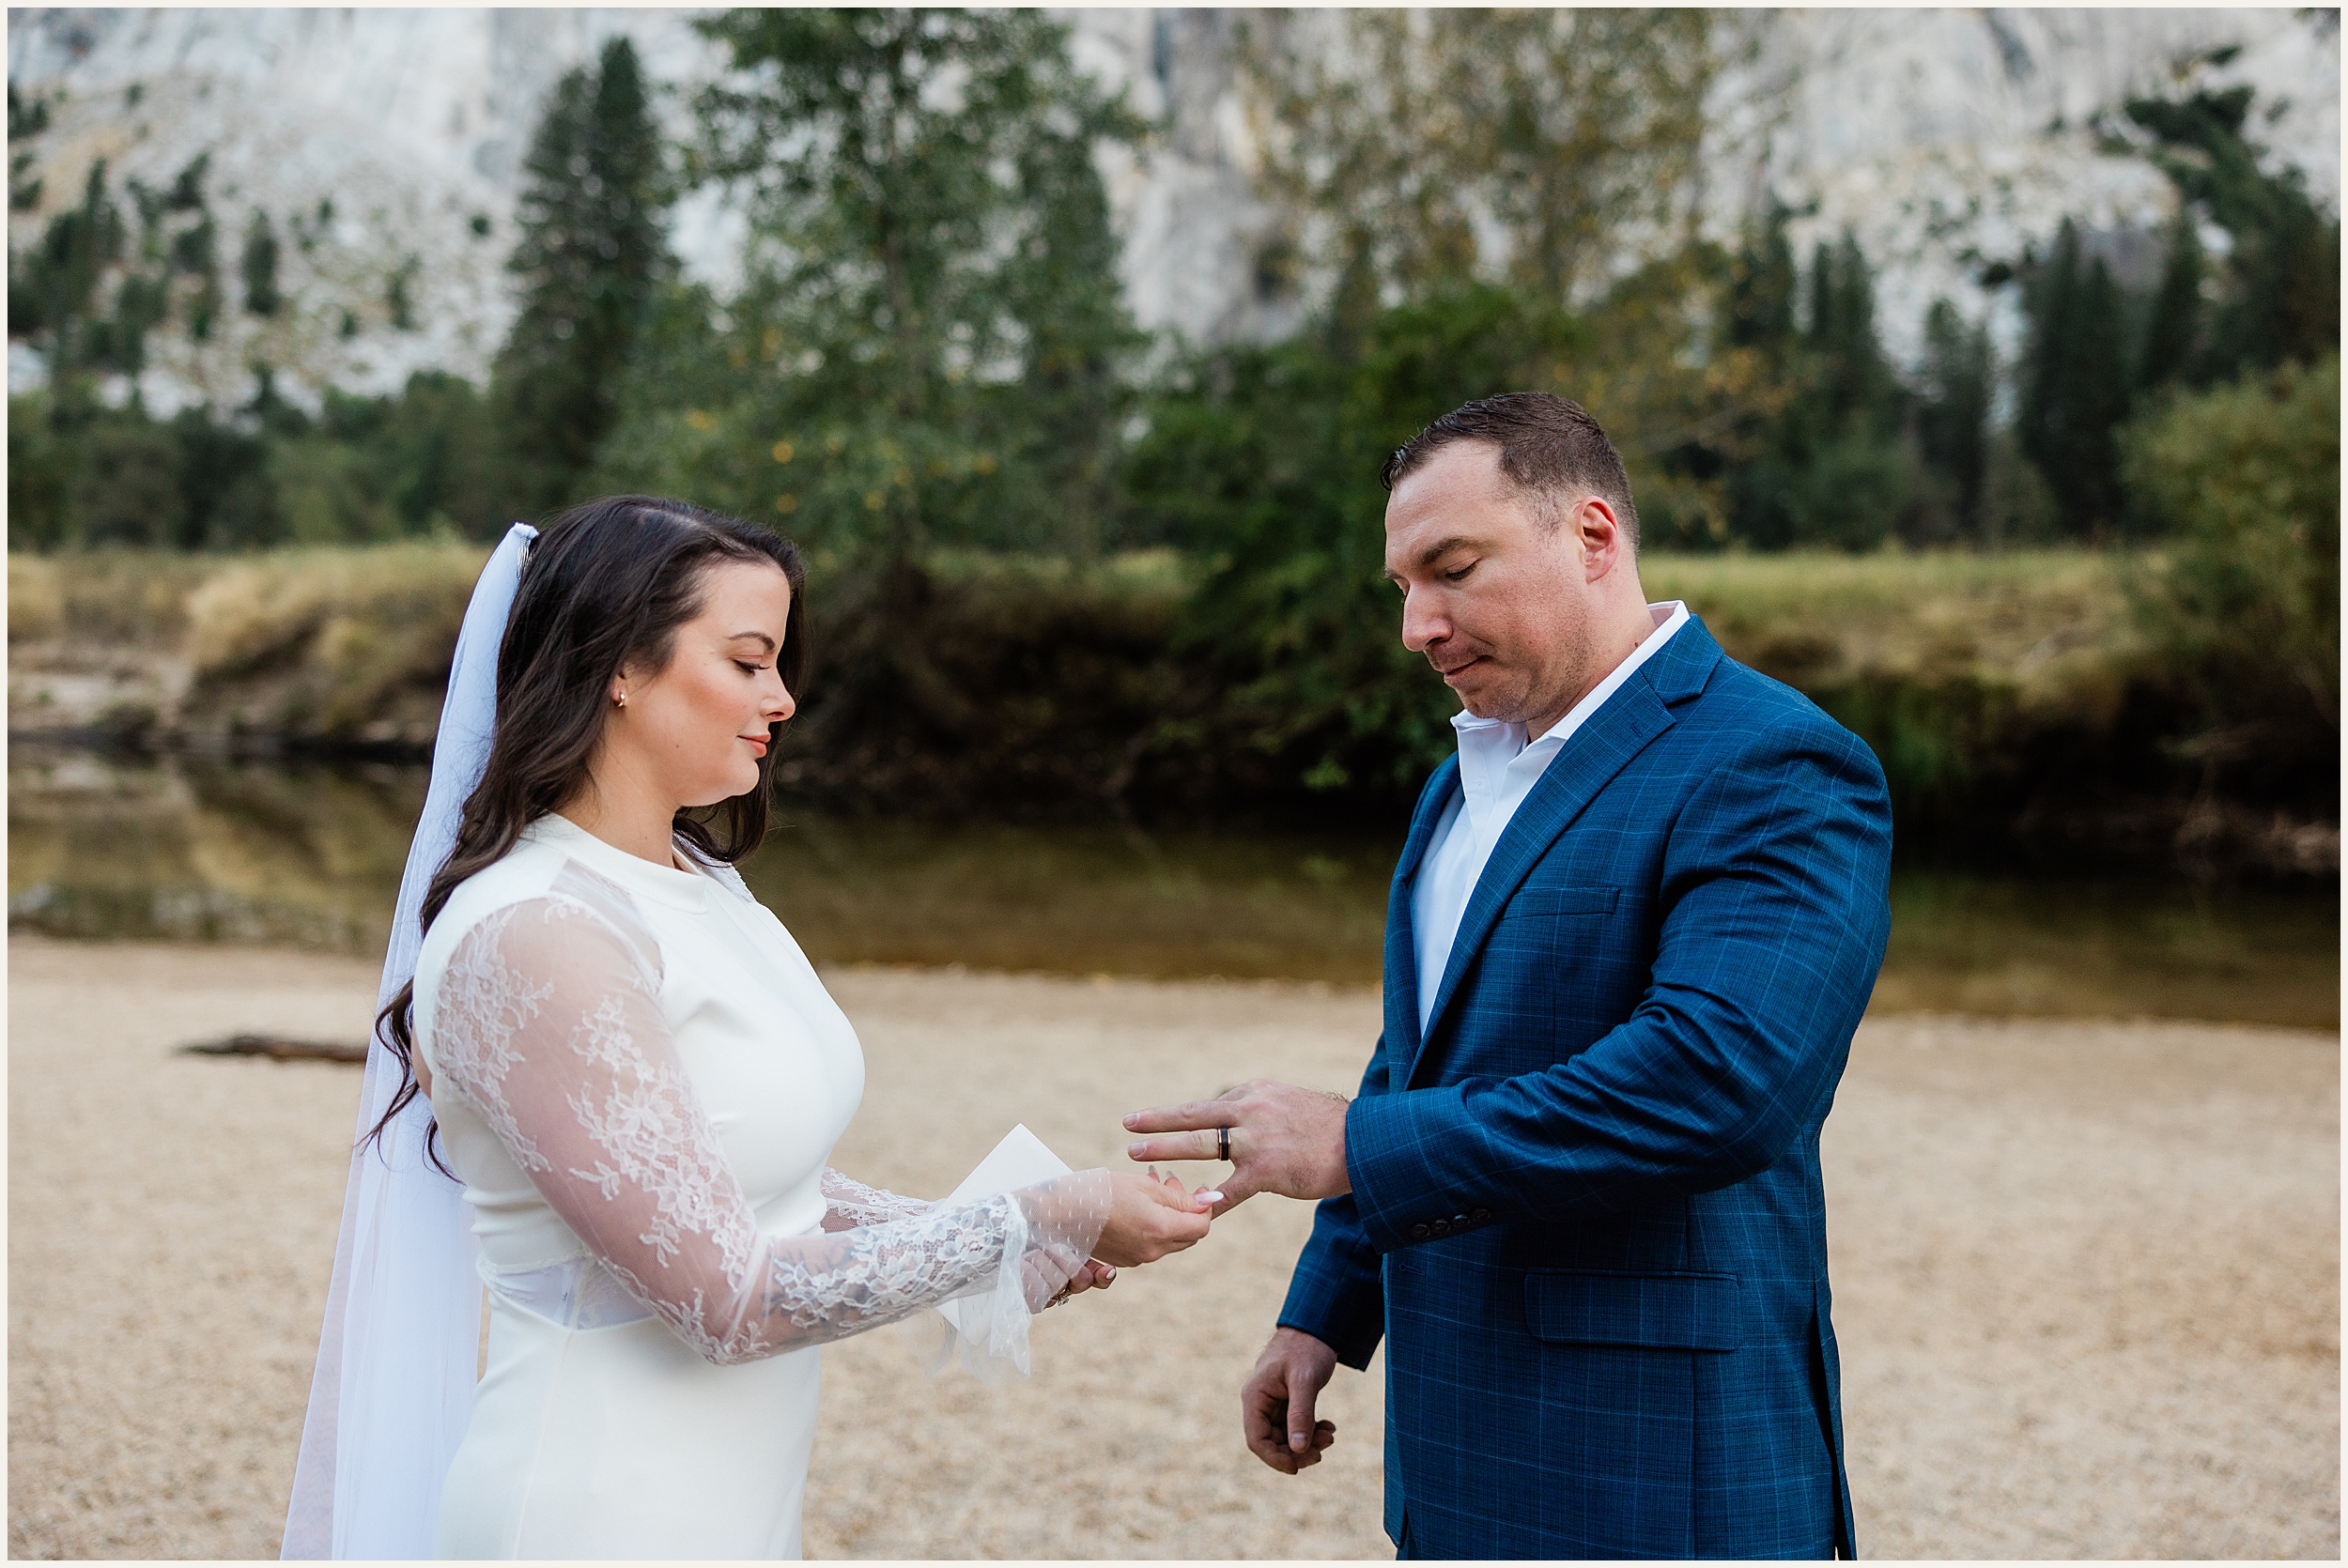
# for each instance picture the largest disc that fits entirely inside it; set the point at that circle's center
(2087, 1276)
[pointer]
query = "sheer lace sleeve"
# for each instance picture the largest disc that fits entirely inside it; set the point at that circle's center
(545, 1023)
(848, 1203)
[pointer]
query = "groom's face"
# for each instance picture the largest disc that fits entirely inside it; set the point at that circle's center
(1495, 595)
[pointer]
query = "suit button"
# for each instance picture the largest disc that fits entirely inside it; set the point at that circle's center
(1459, 1221)
(1420, 1233)
(1482, 1215)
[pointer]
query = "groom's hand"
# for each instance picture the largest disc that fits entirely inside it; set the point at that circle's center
(1276, 1405)
(1283, 1139)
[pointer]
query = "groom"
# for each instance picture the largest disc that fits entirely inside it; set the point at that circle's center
(1634, 925)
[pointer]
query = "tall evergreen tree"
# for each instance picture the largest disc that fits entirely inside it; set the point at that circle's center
(589, 256)
(1855, 379)
(1764, 293)
(2172, 325)
(1763, 286)
(933, 314)
(259, 266)
(55, 288)
(1952, 414)
(2281, 298)
(2074, 382)
(927, 346)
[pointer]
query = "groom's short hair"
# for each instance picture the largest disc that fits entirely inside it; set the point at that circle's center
(1551, 450)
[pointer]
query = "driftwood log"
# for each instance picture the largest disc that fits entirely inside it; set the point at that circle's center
(278, 1048)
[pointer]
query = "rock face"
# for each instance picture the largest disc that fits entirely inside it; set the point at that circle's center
(1943, 139)
(1946, 139)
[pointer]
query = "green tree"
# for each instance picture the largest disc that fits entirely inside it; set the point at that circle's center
(1420, 148)
(1855, 384)
(927, 347)
(931, 322)
(2172, 324)
(54, 290)
(2280, 298)
(1820, 460)
(41, 467)
(1262, 464)
(2244, 595)
(259, 266)
(1763, 286)
(591, 254)
(2075, 383)
(26, 119)
(1953, 412)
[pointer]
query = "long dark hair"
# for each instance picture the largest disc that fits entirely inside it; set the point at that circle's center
(606, 585)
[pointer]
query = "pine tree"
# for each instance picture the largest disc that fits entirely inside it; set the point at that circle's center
(2281, 298)
(1952, 414)
(1764, 290)
(935, 300)
(259, 266)
(54, 289)
(1762, 287)
(926, 349)
(591, 253)
(2172, 326)
(1855, 379)
(2075, 383)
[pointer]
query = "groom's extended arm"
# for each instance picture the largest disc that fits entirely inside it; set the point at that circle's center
(1773, 926)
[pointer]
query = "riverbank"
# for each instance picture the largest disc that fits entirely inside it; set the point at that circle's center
(311, 856)
(2087, 1274)
(2018, 708)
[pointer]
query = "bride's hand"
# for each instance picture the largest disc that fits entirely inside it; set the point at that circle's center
(1150, 1216)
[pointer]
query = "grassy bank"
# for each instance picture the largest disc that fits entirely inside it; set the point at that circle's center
(2012, 699)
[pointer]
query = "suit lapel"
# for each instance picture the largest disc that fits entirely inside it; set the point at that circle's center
(1401, 986)
(1618, 732)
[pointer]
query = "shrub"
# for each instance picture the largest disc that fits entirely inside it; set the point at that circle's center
(2244, 599)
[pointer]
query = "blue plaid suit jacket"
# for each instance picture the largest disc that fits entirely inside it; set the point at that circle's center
(1586, 1212)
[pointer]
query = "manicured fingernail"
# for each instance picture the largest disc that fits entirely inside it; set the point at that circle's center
(1210, 1198)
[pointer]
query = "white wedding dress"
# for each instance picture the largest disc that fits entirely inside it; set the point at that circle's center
(639, 1078)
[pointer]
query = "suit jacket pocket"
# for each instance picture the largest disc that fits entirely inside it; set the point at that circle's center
(1564, 901)
(1674, 1312)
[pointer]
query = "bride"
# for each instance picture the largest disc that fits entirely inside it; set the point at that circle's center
(638, 1078)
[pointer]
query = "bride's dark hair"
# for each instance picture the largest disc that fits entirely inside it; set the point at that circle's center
(606, 585)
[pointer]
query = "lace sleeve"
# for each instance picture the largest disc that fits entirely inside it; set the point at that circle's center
(848, 1203)
(545, 1023)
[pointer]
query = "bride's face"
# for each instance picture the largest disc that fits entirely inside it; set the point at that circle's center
(696, 730)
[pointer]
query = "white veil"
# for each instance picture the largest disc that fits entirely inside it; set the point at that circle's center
(399, 1352)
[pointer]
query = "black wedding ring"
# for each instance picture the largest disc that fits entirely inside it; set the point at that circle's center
(1223, 1142)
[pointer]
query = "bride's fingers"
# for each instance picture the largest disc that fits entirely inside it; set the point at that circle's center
(1169, 1190)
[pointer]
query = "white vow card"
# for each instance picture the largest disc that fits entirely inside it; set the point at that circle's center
(1021, 1159)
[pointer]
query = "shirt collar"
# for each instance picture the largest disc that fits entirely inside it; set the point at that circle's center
(1494, 733)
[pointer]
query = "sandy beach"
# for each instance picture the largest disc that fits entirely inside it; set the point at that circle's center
(2086, 1275)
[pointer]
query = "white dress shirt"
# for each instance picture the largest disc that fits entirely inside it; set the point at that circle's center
(1497, 770)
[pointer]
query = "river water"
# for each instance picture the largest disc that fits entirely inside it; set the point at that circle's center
(181, 850)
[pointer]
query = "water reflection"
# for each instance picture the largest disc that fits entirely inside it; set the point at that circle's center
(311, 856)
